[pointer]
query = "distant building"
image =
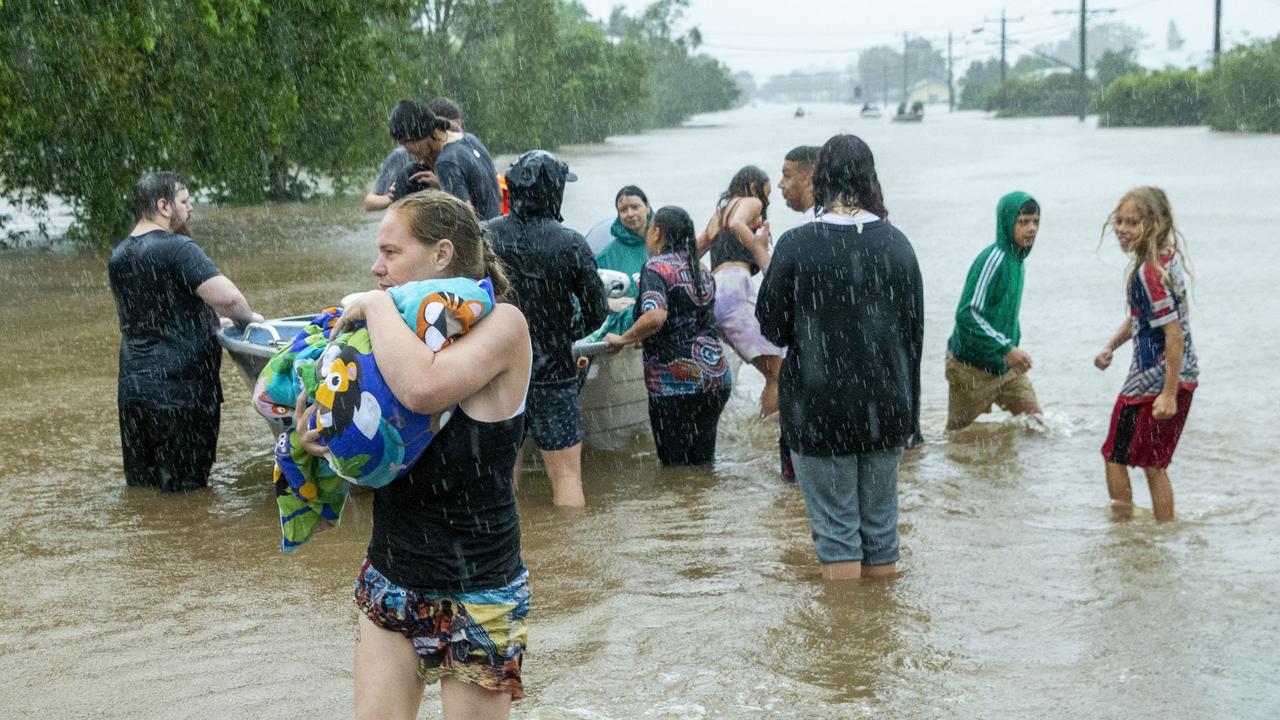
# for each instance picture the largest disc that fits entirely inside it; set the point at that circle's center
(929, 92)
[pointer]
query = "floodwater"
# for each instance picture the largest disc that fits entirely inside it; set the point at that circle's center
(694, 593)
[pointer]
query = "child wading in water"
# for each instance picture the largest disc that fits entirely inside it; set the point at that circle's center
(1152, 408)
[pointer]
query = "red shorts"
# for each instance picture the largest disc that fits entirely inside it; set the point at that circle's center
(1138, 440)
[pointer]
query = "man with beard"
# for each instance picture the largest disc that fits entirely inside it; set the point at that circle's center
(169, 296)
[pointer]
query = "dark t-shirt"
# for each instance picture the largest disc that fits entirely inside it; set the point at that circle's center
(554, 283)
(466, 172)
(394, 164)
(169, 354)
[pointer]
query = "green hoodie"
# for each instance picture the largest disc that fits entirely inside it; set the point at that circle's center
(625, 254)
(987, 325)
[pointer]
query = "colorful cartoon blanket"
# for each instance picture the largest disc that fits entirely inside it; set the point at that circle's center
(369, 436)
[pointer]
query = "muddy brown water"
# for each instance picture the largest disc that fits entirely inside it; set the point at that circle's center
(693, 593)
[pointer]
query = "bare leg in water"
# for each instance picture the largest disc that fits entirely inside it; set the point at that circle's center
(1161, 493)
(854, 570)
(564, 468)
(1120, 491)
(769, 366)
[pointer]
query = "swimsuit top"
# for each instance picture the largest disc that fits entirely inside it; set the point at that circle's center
(726, 247)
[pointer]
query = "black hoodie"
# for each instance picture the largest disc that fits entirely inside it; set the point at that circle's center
(848, 303)
(551, 269)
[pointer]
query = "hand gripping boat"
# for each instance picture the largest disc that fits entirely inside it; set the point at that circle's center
(614, 400)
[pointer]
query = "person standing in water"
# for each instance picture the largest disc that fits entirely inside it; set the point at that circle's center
(168, 296)
(985, 364)
(684, 365)
(626, 253)
(553, 276)
(1151, 410)
(796, 184)
(443, 591)
(850, 383)
(737, 236)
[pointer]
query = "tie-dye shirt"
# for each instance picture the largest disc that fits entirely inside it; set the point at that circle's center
(685, 356)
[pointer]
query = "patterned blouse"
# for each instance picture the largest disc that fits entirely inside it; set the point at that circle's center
(685, 356)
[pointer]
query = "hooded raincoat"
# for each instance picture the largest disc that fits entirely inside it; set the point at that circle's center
(626, 254)
(551, 268)
(987, 326)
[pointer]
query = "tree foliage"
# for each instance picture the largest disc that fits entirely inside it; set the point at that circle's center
(255, 100)
(1245, 89)
(1178, 97)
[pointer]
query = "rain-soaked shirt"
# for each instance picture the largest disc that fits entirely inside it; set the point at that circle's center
(394, 164)
(847, 302)
(169, 354)
(685, 356)
(466, 172)
(554, 283)
(1155, 301)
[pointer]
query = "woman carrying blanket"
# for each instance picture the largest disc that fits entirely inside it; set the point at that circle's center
(443, 591)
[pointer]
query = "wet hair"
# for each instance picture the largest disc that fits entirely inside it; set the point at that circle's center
(1030, 207)
(405, 184)
(679, 236)
(153, 187)
(433, 215)
(446, 108)
(747, 182)
(1159, 233)
(846, 173)
(633, 191)
(806, 155)
(411, 121)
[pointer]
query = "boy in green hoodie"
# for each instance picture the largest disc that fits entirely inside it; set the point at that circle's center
(984, 363)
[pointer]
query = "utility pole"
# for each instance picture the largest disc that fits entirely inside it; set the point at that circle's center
(1084, 57)
(1217, 31)
(951, 87)
(1003, 64)
(1004, 41)
(885, 66)
(905, 50)
(1084, 74)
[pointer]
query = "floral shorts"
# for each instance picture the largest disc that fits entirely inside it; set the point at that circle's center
(477, 637)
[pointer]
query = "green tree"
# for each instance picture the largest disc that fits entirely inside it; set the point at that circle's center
(1178, 97)
(1246, 88)
(980, 82)
(1113, 65)
(246, 98)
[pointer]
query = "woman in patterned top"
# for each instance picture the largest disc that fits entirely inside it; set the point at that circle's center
(1148, 417)
(684, 365)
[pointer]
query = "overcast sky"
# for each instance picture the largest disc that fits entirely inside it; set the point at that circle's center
(769, 37)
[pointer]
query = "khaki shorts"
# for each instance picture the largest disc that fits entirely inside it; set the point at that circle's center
(973, 392)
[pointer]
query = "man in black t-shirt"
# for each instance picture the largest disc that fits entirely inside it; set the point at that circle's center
(168, 296)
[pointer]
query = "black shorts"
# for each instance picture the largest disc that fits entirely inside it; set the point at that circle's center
(169, 449)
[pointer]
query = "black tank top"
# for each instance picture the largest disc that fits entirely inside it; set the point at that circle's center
(450, 525)
(726, 247)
